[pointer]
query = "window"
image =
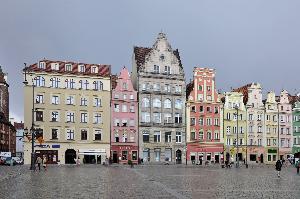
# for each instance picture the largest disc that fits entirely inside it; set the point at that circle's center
(216, 110)
(42, 65)
(83, 134)
(167, 118)
(98, 134)
(178, 89)
(157, 117)
(131, 122)
(201, 109)
(193, 109)
(54, 134)
(39, 116)
(117, 122)
(228, 129)
(168, 137)
(228, 141)
(146, 136)
(116, 107)
(81, 68)
(268, 117)
(97, 118)
(156, 87)
(134, 155)
(68, 67)
(54, 82)
(259, 129)
(156, 103)
(131, 97)
(178, 104)
(39, 99)
(116, 137)
(124, 155)
(145, 103)
(282, 142)
(168, 70)
(55, 99)
(70, 100)
(217, 135)
(259, 117)
(288, 131)
(208, 88)
(124, 122)
(250, 129)
(156, 136)
(98, 85)
(124, 97)
(143, 87)
(167, 88)
(281, 130)
(54, 116)
(250, 117)
(216, 122)
(200, 97)
(167, 103)
(145, 117)
(178, 118)
(201, 135)
(208, 121)
(200, 87)
(124, 108)
(83, 101)
(116, 96)
(70, 117)
(268, 142)
(274, 142)
(193, 135)
(131, 108)
(193, 121)
(234, 116)
(259, 142)
(84, 84)
(228, 116)
(178, 137)
(70, 83)
(94, 69)
(39, 81)
(70, 134)
(97, 102)
(156, 69)
(201, 121)
(208, 136)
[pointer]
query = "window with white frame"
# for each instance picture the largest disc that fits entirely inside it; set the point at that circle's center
(117, 139)
(39, 81)
(156, 69)
(131, 122)
(97, 118)
(70, 100)
(156, 103)
(157, 136)
(39, 99)
(178, 104)
(268, 142)
(94, 69)
(55, 99)
(259, 117)
(54, 134)
(132, 109)
(124, 97)
(217, 135)
(98, 85)
(124, 108)
(228, 141)
(83, 117)
(68, 67)
(116, 96)
(156, 87)
(131, 97)
(117, 108)
(208, 137)
(201, 135)
(178, 89)
(70, 83)
(84, 84)
(259, 129)
(81, 68)
(228, 116)
(178, 137)
(98, 134)
(143, 87)
(84, 134)
(167, 103)
(42, 65)
(145, 117)
(145, 103)
(168, 70)
(124, 137)
(54, 82)
(250, 117)
(178, 118)
(241, 130)
(168, 137)
(201, 121)
(124, 85)
(117, 122)
(70, 116)
(83, 101)
(70, 134)
(216, 122)
(250, 129)
(157, 117)
(167, 118)
(167, 88)
(54, 116)
(97, 102)
(208, 121)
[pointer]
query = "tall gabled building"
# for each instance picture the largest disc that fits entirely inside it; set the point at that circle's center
(158, 75)
(204, 119)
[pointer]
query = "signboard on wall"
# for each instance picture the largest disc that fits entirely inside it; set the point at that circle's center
(5, 154)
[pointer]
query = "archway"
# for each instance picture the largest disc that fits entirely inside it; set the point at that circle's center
(178, 156)
(70, 156)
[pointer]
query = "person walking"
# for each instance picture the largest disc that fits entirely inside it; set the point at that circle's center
(39, 162)
(45, 163)
(278, 166)
(297, 165)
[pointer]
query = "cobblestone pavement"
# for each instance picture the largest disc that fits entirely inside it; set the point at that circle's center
(149, 181)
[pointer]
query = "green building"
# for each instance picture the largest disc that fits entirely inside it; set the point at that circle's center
(296, 129)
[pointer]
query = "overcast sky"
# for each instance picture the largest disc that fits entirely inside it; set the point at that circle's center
(245, 41)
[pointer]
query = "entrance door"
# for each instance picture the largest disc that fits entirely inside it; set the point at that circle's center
(115, 157)
(178, 156)
(217, 158)
(70, 156)
(261, 158)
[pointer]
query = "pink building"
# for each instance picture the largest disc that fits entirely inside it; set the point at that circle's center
(124, 131)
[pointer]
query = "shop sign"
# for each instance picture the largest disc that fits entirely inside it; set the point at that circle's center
(55, 146)
(5, 154)
(43, 146)
(272, 150)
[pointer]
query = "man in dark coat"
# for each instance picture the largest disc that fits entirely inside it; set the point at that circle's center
(278, 166)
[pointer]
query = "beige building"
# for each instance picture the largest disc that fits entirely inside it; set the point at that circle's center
(71, 111)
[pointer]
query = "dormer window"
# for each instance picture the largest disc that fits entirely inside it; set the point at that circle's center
(81, 68)
(94, 69)
(156, 69)
(68, 67)
(42, 65)
(54, 66)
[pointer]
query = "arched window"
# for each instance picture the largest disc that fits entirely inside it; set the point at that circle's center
(178, 104)
(156, 103)
(208, 136)
(167, 103)
(145, 102)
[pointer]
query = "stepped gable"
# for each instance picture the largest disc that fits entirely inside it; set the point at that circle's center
(103, 71)
(244, 91)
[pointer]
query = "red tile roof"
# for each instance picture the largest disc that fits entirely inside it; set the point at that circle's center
(19, 125)
(189, 89)
(244, 91)
(114, 79)
(103, 70)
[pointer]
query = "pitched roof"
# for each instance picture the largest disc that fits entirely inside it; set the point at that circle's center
(244, 91)
(114, 79)
(189, 88)
(103, 70)
(293, 99)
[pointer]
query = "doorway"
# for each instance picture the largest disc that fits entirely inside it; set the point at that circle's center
(217, 159)
(115, 157)
(178, 156)
(261, 158)
(70, 156)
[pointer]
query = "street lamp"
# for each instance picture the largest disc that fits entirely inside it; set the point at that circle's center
(32, 130)
(237, 135)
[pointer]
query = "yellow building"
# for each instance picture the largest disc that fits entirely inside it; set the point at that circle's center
(234, 128)
(71, 111)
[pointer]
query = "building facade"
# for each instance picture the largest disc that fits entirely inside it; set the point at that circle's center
(271, 129)
(252, 97)
(7, 130)
(19, 139)
(124, 120)
(296, 127)
(203, 119)
(158, 75)
(71, 111)
(285, 125)
(234, 126)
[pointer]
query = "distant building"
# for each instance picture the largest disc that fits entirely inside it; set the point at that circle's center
(7, 130)
(124, 120)
(72, 117)
(158, 76)
(296, 127)
(204, 119)
(19, 139)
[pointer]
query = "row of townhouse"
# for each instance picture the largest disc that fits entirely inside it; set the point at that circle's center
(83, 112)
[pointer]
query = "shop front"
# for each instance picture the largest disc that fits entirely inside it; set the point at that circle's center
(51, 155)
(92, 156)
(271, 155)
(122, 154)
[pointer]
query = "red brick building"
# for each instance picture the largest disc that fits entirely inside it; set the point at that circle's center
(7, 130)
(204, 136)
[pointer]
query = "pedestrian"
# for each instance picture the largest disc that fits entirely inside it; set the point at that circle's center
(297, 165)
(45, 163)
(39, 162)
(278, 166)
